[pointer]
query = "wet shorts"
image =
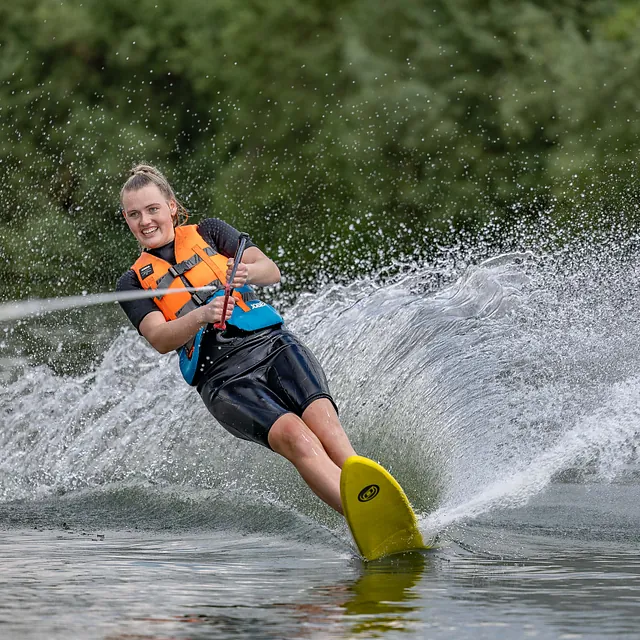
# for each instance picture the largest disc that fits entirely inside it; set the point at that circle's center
(256, 378)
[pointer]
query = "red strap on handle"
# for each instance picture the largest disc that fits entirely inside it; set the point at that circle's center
(242, 241)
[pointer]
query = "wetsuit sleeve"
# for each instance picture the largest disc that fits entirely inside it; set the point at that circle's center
(221, 236)
(136, 310)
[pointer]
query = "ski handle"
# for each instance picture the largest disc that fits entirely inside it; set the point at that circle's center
(242, 241)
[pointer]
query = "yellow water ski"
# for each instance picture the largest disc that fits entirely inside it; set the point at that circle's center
(380, 517)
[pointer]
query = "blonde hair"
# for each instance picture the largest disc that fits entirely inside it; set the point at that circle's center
(145, 174)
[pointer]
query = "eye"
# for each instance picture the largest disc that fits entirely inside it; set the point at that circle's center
(153, 209)
(133, 214)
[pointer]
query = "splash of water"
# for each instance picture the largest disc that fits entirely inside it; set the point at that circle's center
(475, 393)
(479, 394)
(604, 438)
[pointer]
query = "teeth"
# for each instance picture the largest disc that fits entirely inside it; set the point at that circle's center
(147, 232)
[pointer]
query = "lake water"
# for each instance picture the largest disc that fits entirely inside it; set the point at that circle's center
(567, 566)
(505, 402)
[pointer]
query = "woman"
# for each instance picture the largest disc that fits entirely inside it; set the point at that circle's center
(255, 377)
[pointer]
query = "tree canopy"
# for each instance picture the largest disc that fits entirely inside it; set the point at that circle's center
(333, 132)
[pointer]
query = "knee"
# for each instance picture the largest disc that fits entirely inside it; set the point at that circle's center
(291, 438)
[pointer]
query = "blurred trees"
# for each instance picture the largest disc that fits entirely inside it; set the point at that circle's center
(333, 132)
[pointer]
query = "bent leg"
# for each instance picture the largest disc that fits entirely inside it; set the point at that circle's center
(321, 418)
(291, 437)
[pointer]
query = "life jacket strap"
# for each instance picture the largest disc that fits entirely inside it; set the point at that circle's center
(189, 263)
(220, 274)
(188, 306)
(177, 270)
(201, 254)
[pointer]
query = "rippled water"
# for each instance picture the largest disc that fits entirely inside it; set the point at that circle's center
(505, 401)
(549, 577)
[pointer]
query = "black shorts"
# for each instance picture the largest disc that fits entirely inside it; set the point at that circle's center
(256, 378)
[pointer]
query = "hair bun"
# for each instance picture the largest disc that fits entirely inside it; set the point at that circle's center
(144, 169)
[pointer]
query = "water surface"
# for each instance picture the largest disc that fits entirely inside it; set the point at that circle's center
(505, 401)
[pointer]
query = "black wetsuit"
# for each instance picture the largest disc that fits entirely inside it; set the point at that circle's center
(247, 379)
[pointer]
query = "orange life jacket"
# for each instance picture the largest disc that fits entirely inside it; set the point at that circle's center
(197, 265)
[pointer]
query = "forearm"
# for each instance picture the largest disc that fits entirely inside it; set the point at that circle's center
(169, 336)
(263, 273)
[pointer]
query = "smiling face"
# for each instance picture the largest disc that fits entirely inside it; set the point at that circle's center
(149, 216)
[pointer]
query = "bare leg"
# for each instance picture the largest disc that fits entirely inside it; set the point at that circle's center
(317, 446)
(291, 437)
(321, 417)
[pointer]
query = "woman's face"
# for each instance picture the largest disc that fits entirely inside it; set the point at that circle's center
(149, 216)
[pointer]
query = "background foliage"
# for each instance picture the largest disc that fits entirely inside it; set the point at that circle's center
(334, 132)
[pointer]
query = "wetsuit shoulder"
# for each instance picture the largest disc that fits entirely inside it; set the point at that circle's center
(221, 236)
(135, 310)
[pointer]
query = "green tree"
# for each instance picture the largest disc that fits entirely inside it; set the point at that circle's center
(334, 132)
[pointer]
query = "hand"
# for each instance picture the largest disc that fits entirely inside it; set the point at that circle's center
(212, 312)
(242, 274)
